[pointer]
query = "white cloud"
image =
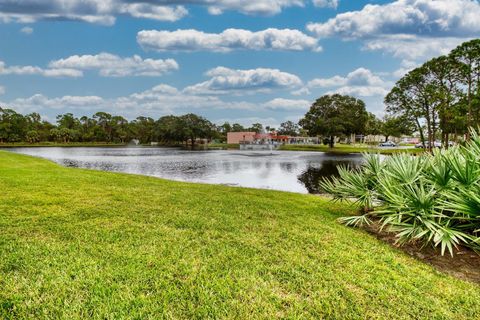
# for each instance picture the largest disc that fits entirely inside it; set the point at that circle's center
(411, 47)
(159, 100)
(39, 102)
(361, 91)
(301, 92)
(34, 70)
(224, 80)
(281, 104)
(22, 17)
(155, 91)
(149, 11)
(228, 40)
(90, 11)
(61, 73)
(407, 29)
(439, 18)
(26, 30)
(105, 11)
(76, 101)
(405, 67)
(326, 3)
(2, 90)
(257, 7)
(110, 65)
(358, 77)
(334, 81)
(360, 82)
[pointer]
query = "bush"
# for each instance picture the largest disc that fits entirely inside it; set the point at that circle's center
(432, 199)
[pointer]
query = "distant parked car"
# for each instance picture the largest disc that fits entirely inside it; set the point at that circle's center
(436, 144)
(387, 144)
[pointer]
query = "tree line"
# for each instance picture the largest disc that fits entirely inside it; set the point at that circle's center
(441, 98)
(104, 127)
(337, 115)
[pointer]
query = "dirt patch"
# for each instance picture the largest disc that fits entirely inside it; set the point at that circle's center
(465, 263)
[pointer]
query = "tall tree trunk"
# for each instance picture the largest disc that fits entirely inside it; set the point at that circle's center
(332, 141)
(476, 119)
(429, 130)
(469, 111)
(192, 139)
(422, 136)
(434, 127)
(442, 123)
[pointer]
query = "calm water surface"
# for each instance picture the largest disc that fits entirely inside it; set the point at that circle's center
(278, 170)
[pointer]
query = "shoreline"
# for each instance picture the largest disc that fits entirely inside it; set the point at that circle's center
(342, 149)
(59, 145)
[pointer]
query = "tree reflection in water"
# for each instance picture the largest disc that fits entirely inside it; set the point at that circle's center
(312, 176)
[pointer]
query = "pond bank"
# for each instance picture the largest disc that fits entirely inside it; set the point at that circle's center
(119, 245)
(63, 145)
(342, 149)
(338, 149)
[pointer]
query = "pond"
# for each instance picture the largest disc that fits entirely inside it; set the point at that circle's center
(279, 170)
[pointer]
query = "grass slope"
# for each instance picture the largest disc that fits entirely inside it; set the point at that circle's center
(58, 144)
(343, 148)
(77, 243)
(339, 148)
(224, 145)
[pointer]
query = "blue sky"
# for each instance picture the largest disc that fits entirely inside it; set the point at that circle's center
(229, 60)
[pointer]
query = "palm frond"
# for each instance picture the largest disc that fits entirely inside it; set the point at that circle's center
(356, 221)
(432, 199)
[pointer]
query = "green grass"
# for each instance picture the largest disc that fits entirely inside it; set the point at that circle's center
(78, 244)
(59, 144)
(224, 145)
(344, 148)
(339, 148)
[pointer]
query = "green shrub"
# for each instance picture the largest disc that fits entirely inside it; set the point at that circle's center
(431, 199)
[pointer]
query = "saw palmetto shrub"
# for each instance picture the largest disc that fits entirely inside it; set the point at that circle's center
(431, 199)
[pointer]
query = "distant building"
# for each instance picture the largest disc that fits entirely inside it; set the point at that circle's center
(264, 141)
(269, 138)
(240, 137)
(253, 138)
(410, 140)
(374, 139)
(303, 140)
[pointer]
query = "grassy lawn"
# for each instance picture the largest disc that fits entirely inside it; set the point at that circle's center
(344, 148)
(78, 244)
(224, 145)
(58, 144)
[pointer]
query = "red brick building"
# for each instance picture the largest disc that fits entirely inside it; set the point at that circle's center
(240, 137)
(256, 138)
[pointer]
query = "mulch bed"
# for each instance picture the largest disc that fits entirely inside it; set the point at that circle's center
(465, 263)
